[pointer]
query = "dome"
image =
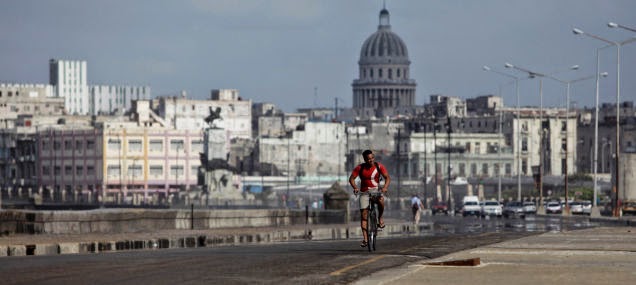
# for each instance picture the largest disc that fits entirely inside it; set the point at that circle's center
(384, 46)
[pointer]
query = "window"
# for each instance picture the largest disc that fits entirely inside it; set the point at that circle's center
(56, 170)
(90, 145)
(194, 170)
(462, 168)
(564, 145)
(380, 73)
(390, 73)
(68, 170)
(563, 166)
(176, 170)
(114, 144)
(134, 170)
(56, 145)
(524, 144)
(524, 167)
(176, 145)
(398, 73)
(156, 170)
(46, 170)
(477, 148)
(68, 145)
(78, 145)
(197, 146)
(90, 170)
(156, 145)
(371, 73)
(134, 145)
(113, 170)
(45, 145)
(496, 169)
(484, 169)
(564, 126)
(473, 169)
(79, 170)
(508, 169)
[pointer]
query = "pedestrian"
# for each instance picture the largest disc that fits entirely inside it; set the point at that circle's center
(416, 208)
(369, 173)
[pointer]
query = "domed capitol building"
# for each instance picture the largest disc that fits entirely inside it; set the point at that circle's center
(383, 87)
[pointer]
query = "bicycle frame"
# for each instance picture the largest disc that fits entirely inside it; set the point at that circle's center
(373, 219)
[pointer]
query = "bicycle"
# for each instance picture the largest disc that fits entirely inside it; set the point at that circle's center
(373, 220)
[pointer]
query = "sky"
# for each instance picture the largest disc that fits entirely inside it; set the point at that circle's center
(304, 53)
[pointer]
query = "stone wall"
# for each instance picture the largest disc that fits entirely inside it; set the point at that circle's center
(143, 220)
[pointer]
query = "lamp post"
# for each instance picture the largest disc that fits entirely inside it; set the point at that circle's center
(435, 126)
(618, 96)
(448, 182)
(567, 121)
(518, 138)
(532, 74)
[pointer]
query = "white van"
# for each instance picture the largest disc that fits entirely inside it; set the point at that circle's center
(470, 206)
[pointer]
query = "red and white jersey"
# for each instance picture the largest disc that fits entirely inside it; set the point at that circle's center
(369, 176)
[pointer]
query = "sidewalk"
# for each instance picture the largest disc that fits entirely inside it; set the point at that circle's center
(604, 255)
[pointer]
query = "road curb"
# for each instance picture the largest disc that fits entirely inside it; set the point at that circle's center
(193, 240)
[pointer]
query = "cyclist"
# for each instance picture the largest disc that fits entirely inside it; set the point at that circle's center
(369, 173)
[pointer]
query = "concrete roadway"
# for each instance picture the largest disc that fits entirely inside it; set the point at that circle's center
(314, 262)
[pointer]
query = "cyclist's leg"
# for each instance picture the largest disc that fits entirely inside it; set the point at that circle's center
(364, 212)
(363, 223)
(380, 210)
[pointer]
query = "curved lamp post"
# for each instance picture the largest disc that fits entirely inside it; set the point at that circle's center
(618, 45)
(518, 148)
(533, 74)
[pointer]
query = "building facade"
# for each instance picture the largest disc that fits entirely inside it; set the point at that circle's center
(384, 82)
(69, 80)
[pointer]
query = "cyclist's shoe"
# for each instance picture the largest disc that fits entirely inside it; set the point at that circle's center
(364, 243)
(381, 225)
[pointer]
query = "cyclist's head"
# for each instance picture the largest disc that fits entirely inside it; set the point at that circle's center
(368, 156)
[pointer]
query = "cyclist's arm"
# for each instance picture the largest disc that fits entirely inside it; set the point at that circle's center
(352, 182)
(387, 181)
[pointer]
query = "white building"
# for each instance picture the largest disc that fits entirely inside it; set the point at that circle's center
(27, 99)
(109, 99)
(69, 80)
(183, 113)
(318, 148)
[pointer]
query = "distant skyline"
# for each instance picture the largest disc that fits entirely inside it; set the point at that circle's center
(287, 51)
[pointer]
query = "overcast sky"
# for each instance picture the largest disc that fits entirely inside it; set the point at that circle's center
(280, 51)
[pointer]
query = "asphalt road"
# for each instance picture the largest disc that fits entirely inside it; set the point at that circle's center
(309, 262)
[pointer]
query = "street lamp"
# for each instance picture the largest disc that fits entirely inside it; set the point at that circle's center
(615, 25)
(533, 74)
(518, 139)
(618, 95)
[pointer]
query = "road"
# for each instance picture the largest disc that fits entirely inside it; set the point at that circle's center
(310, 262)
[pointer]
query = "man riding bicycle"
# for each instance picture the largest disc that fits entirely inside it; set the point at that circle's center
(369, 173)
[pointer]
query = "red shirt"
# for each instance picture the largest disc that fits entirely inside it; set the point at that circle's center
(369, 176)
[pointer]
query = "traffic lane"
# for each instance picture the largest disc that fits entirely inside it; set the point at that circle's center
(315, 262)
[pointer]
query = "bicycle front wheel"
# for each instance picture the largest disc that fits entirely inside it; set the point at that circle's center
(372, 226)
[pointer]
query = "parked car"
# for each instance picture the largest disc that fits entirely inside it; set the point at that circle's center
(629, 207)
(491, 208)
(470, 206)
(529, 207)
(576, 208)
(553, 207)
(586, 207)
(513, 209)
(439, 207)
